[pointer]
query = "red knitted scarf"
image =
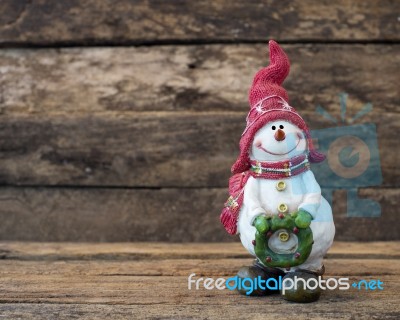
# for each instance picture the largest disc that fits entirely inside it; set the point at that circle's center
(265, 170)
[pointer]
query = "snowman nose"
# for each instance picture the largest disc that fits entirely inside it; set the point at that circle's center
(280, 135)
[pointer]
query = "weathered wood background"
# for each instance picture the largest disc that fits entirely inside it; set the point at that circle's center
(150, 281)
(119, 120)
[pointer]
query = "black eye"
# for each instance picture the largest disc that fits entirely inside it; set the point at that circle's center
(273, 127)
(281, 127)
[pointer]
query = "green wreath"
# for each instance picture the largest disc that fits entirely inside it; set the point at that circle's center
(297, 223)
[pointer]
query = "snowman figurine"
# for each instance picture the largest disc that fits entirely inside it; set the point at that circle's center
(275, 203)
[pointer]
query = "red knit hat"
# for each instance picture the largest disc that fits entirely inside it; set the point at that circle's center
(270, 102)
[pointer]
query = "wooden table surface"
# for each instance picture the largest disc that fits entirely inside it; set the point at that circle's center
(150, 280)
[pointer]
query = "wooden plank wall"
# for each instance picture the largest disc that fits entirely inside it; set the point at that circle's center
(119, 120)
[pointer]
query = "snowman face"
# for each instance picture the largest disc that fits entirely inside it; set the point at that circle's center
(278, 140)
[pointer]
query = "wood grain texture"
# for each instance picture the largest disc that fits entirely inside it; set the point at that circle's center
(134, 22)
(112, 147)
(184, 149)
(147, 290)
(168, 214)
(156, 251)
(337, 307)
(119, 265)
(155, 286)
(103, 141)
(192, 78)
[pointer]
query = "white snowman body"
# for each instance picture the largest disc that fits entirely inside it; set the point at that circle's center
(263, 196)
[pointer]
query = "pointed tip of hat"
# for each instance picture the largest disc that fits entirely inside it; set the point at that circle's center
(275, 49)
(278, 68)
(273, 44)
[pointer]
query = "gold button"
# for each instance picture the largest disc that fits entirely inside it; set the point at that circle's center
(282, 208)
(280, 185)
(283, 236)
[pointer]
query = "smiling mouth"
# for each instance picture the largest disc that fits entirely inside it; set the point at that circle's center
(278, 154)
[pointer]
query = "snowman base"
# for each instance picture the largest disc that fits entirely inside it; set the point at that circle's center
(260, 271)
(301, 294)
(256, 271)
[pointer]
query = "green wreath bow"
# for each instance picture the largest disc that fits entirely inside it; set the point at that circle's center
(297, 223)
